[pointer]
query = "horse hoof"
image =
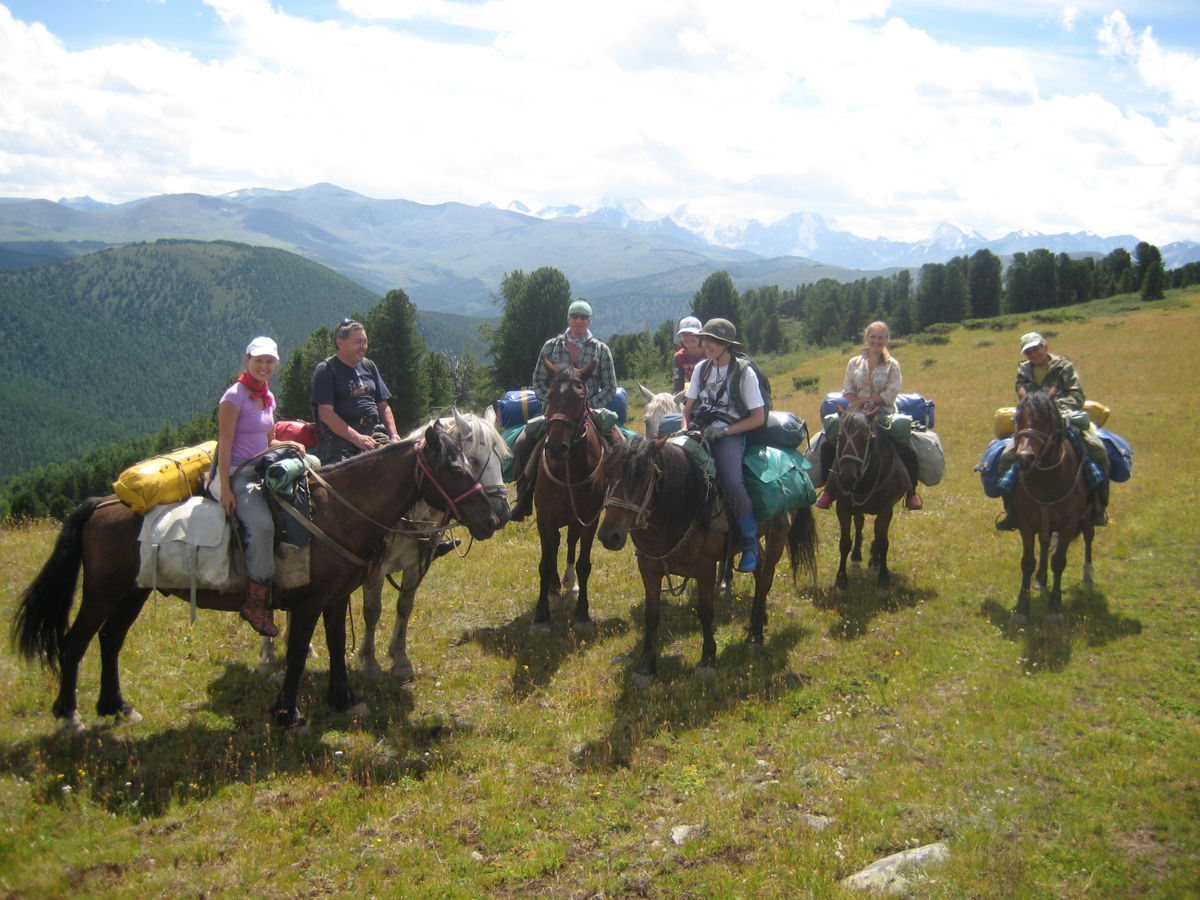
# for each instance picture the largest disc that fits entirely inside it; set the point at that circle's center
(585, 628)
(1056, 617)
(404, 674)
(539, 628)
(129, 716)
(642, 682)
(370, 671)
(71, 725)
(1019, 619)
(705, 673)
(358, 710)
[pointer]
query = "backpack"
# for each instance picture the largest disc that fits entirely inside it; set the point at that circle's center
(740, 361)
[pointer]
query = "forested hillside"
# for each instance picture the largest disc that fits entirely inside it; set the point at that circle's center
(114, 344)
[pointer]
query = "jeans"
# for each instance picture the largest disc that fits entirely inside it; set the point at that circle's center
(727, 455)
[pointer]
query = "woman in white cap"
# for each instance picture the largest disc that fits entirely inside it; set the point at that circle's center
(724, 401)
(246, 422)
(687, 355)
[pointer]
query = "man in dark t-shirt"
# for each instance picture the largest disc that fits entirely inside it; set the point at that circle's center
(350, 397)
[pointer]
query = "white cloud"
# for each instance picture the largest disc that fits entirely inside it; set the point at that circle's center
(750, 110)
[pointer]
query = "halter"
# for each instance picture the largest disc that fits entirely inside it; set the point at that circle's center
(641, 510)
(859, 499)
(423, 469)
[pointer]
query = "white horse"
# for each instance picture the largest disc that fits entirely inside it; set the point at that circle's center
(485, 450)
(657, 406)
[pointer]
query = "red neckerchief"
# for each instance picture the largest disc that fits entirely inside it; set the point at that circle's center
(259, 390)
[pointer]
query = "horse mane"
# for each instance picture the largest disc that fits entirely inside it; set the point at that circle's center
(351, 460)
(661, 404)
(683, 489)
(482, 431)
(1042, 407)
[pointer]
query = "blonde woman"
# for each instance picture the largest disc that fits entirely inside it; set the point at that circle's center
(873, 382)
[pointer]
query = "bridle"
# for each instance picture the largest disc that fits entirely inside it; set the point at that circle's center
(849, 453)
(424, 470)
(641, 510)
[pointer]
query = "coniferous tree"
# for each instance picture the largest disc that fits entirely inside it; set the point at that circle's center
(985, 284)
(718, 297)
(397, 348)
(534, 310)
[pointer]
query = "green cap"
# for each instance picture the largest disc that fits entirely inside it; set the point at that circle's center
(580, 307)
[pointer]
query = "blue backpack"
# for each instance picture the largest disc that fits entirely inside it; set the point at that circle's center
(921, 410)
(989, 467)
(1120, 455)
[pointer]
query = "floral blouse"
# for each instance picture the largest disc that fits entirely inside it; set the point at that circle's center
(883, 383)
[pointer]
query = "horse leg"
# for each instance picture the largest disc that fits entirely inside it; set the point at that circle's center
(844, 515)
(72, 647)
(1089, 576)
(340, 697)
(304, 622)
(856, 552)
(647, 666)
(705, 584)
(764, 578)
(1021, 615)
(583, 616)
(112, 638)
(570, 576)
(402, 669)
(372, 593)
(879, 547)
(1058, 563)
(547, 577)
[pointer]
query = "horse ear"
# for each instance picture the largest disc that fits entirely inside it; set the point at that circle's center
(550, 367)
(433, 435)
(679, 398)
(1053, 391)
(646, 392)
(657, 445)
(586, 372)
(463, 426)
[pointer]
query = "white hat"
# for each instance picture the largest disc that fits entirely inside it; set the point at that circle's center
(688, 325)
(1031, 340)
(263, 346)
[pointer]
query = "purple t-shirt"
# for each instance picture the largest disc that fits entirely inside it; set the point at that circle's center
(253, 424)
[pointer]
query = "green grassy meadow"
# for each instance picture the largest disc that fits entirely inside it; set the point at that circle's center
(1058, 761)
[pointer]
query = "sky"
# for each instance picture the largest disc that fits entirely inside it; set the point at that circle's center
(885, 118)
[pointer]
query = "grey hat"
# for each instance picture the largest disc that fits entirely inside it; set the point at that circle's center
(720, 330)
(1031, 340)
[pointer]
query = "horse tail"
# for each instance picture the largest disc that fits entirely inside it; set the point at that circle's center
(41, 618)
(802, 542)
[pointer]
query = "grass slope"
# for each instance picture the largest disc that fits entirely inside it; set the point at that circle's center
(1055, 761)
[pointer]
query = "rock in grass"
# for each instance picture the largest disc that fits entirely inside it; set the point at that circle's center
(891, 874)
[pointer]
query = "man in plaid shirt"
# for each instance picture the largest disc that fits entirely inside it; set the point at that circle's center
(575, 347)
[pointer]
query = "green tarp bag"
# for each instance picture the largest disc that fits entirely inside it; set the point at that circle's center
(777, 480)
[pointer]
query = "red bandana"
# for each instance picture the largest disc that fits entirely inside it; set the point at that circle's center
(259, 390)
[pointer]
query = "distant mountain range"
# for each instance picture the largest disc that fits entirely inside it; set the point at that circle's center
(639, 267)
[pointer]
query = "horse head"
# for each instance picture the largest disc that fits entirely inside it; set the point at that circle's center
(855, 443)
(486, 451)
(567, 407)
(448, 484)
(632, 477)
(1039, 429)
(657, 406)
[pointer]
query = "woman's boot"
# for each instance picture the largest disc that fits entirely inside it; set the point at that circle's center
(255, 609)
(748, 526)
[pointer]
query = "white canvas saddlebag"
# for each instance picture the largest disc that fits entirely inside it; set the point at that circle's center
(188, 545)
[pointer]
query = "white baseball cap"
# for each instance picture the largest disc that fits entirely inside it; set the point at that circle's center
(263, 346)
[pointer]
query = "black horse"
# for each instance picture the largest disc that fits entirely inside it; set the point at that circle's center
(360, 503)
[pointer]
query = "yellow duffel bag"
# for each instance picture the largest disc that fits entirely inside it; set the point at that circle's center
(1097, 412)
(169, 478)
(1002, 422)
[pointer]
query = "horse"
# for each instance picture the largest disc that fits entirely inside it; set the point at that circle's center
(658, 406)
(870, 480)
(673, 509)
(568, 492)
(485, 451)
(356, 504)
(1050, 496)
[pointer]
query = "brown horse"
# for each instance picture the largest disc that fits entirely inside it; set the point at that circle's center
(868, 479)
(360, 503)
(1050, 496)
(680, 526)
(569, 491)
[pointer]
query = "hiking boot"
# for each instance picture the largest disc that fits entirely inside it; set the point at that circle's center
(256, 612)
(523, 507)
(1099, 517)
(825, 500)
(748, 562)
(912, 501)
(1009, 521)
(445, 547)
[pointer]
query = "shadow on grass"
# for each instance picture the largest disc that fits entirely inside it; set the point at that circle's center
(863, 600)
(680, 699)
(537, 657)
(135, 772)
(1048, 642)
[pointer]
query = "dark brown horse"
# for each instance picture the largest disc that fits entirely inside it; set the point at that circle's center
(680, 526)
(360, 504)
(868, 479)
(569, 491)
(1050, 496)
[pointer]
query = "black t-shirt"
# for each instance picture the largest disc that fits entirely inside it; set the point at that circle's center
(353, 392)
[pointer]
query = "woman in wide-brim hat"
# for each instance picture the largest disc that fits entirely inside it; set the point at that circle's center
(724, 401)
